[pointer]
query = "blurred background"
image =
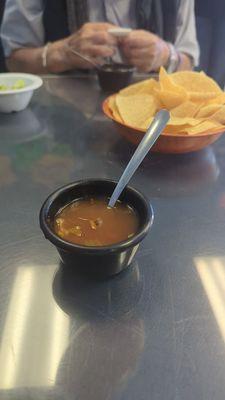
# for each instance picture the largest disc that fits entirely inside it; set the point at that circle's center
(210, 18)
(2, 63)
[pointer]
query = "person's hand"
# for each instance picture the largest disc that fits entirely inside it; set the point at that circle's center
(93, 41)
(144, 50)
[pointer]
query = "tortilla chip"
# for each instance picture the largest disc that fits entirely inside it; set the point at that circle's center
(202, 96)
(195, 82)
(114, 109)
(183, 121)
(145, 124)
(174, 130)
(188, 108)
(175, 124)
(136, 109)
(167, 84)
(146, 87)
(218, 116)
(208, 110)
(218, 99)
(170, 99)
(204, 126)
(195, 101)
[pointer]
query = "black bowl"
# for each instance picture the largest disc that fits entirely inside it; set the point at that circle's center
(105, 260)
(113, 77)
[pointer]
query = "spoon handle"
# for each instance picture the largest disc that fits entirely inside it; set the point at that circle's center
(75, 52)
(151, 135)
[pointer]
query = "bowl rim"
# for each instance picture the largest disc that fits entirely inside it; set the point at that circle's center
(35, 84)
(129, 68)
(72, 247)
(107, 112)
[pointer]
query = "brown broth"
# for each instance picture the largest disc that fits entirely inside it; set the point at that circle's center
(90, 222)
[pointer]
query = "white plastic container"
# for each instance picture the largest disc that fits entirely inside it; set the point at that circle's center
(17, 99)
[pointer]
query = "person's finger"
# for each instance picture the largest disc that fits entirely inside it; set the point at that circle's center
(102, 37)
(139, 53)
(138, 43)
(138, 39)
(106, 26)
(77, 62)
(99, 51)
(143, 67)
(97, 37)
(98, 26)
(143, 64)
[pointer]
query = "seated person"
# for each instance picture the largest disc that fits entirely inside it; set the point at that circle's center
(37, 34)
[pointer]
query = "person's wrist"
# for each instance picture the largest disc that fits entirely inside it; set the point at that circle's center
(174, 59)
(165, 54)
(44, 55)
(58, 57)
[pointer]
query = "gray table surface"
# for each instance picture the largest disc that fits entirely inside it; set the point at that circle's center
(156, 331)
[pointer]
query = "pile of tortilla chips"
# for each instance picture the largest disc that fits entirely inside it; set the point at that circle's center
(195, 101)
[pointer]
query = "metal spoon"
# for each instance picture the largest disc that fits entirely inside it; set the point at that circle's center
(83, 57)
(150, 137)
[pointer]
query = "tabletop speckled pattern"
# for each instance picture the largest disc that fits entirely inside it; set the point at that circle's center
(156, 331)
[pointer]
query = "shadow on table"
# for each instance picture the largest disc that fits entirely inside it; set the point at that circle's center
(103, 352)
(85, 298)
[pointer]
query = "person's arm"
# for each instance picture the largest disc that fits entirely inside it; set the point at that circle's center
(148, 52)
(24, 41)
(92, 40)
(22, 23)
(185, 62)
(26, 60)
(30, 60)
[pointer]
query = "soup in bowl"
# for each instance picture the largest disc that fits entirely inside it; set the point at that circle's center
(91, 236)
